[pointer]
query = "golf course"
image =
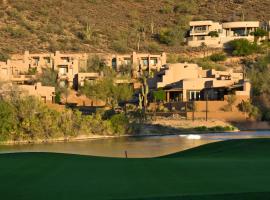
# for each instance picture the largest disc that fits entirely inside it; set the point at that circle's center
(228, 170)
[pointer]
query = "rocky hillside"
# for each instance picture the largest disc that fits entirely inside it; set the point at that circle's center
(112, 25)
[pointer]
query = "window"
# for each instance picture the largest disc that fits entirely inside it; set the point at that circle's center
(63, 70)
(114, 63)
(36, 60)
(127, 61)
(153, 61)
(145, 61)
(194, 95)
(47, 60)
(200, 29)
(65, 59)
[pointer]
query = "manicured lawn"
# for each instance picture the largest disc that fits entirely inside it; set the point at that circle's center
(236, 170)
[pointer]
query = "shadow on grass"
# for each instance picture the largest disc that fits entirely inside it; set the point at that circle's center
(240, 196)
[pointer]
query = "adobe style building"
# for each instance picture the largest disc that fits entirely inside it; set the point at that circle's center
(216, 35)
(138, 62)
(22, 69)
(44, 93)
(184, 82)
(69, 66)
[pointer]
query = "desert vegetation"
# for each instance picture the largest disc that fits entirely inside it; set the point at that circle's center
(98, 25)
(25, 118)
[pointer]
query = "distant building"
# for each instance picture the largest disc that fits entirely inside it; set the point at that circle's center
(216, 35)
(44, 93)
(189, 82)
(69, 66)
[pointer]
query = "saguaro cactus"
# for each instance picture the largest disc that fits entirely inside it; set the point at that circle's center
(143, 96)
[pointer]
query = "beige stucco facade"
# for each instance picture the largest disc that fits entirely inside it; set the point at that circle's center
(200, 32)
(69, 65)
(44, 93)
(189, 82)
(23, 69)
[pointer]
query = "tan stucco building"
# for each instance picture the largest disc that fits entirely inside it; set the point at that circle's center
(44, 93)
(216, 35)
(189, 82)
(22, 69)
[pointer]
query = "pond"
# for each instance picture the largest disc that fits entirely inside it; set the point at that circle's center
(136, 147)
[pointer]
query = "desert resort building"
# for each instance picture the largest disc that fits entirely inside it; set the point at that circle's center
(191, 89)
(23, 69)
(217, 35)
(182, 82)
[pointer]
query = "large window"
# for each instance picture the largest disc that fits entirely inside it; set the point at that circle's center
(194, 95)
(153, 61)
(200, 29)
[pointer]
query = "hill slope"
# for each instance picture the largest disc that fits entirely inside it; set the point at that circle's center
(112, 25)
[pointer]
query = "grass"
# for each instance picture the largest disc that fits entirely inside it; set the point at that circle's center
(237, 170)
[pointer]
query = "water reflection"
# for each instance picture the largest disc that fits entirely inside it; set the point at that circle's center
(139, 147)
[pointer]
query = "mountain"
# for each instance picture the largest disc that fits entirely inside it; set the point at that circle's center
(112, 25)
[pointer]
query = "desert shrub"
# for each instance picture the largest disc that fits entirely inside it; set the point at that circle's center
(216, 57)
(4, 56)
(166, 36)
(166, 9)
(16, 32)
(119, 124)
(242, 47)
(186, 7)
(206, 63)
(153, 47)
(159, 95)
(119, 46)
(213, 34)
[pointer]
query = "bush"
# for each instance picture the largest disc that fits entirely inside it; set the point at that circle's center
(242, 47)
(119, 46)
(166, 36)
(7, 120)
(159, 95)
(218, 57)
(119, 124)
(186, 7)
(206, 63)
(213, 34)
(4, 56)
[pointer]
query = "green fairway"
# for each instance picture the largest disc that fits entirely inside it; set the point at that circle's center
(237, 170)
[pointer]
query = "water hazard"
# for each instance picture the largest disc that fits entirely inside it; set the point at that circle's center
(136, 147)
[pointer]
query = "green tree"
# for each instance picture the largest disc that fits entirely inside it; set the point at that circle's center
(242, 47)
(106, 89)
(8, 121)
(259, 33)
(119, 124)
(159, 95)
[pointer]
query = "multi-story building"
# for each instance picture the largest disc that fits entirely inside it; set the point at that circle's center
(22, 69)
(69, 66)
(188, 82)
(139, 62)
(216, 35)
